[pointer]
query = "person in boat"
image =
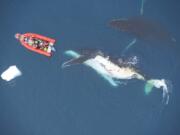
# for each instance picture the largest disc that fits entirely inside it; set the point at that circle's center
(34, 42)
(40, 44)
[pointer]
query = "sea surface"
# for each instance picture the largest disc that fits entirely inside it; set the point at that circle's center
(49, 100)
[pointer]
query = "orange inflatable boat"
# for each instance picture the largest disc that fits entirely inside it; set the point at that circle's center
(37, 43)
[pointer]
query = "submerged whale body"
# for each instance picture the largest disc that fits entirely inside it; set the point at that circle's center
(113, 71)
(143, 28)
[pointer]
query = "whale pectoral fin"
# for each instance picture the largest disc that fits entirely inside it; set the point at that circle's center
(75, 61)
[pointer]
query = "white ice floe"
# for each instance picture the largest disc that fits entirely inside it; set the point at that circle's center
(11, 73)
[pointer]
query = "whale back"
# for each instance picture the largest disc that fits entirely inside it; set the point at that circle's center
(143, 28)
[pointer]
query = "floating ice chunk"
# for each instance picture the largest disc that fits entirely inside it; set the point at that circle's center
(11, 73)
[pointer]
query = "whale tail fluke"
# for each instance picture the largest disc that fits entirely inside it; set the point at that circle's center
(164, 85)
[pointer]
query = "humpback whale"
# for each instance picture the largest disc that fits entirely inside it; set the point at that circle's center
(114, 71)
(143, 28)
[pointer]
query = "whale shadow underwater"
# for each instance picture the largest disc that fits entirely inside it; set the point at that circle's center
(143, 29)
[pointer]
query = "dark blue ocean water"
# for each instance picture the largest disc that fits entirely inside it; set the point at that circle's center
(47, 100)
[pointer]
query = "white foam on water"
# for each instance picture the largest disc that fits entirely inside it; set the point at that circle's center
(11, 73)
(133, 60)
(163, 85)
